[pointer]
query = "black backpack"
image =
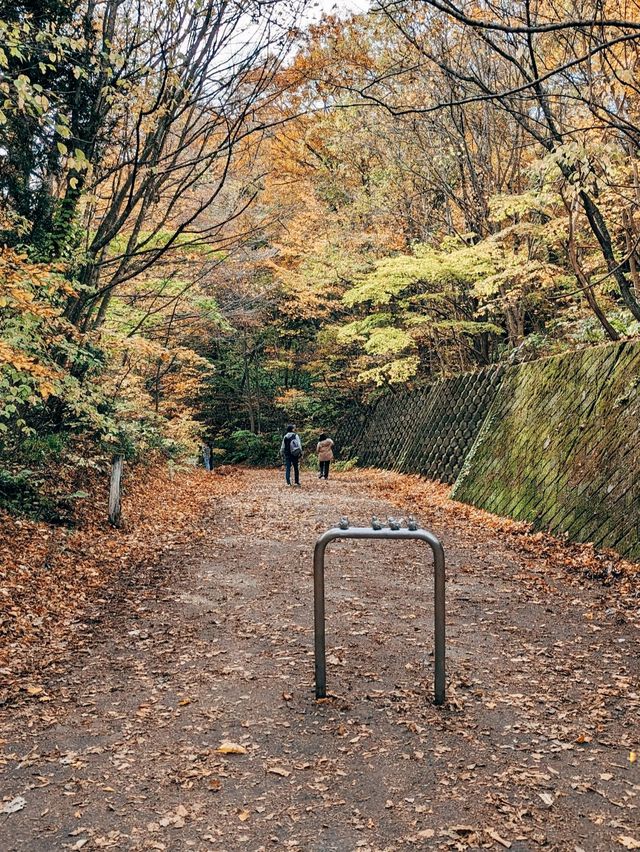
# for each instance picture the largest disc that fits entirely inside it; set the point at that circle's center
(293, 446)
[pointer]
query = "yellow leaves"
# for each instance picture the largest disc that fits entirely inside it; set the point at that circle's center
(628, 842)
(228, 747)
(626, 76)
(78, 160)
(633, 756)
(43, 377)
(147, 351)
(517, 205)
(395, 372)
(36, 692)
(383, 341)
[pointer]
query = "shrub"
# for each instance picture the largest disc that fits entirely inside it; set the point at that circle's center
(245, 447)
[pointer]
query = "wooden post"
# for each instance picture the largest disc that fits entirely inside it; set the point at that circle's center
(115, 492)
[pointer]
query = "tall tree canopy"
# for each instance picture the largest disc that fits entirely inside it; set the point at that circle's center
(219, 215)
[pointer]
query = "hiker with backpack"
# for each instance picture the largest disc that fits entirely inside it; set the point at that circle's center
(291, 452)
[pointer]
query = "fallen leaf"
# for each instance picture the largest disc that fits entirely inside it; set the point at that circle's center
(243, 816)
(34, 690)
(278, 770)
(493, 834)
(228, 747)
(547, 798)
(14, 805)
(633, 756)
(628, 842)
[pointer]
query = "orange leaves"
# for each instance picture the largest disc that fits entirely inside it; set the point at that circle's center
(43, 376)
(28, 288)
(432, 502)
(50, 575)
(227, 747)
(29, 321)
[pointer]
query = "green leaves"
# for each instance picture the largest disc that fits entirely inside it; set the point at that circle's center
(396, 372)
(387, 341)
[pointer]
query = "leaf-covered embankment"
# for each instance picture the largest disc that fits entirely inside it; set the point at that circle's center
(50, 575)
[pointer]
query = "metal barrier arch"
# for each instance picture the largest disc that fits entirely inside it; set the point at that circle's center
(377, 531)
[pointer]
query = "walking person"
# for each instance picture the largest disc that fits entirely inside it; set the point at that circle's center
(291, 452)
(325, 455)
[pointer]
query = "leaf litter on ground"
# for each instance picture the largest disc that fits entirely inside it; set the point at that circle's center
(534, 746)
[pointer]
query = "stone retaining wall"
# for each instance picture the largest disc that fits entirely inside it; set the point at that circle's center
(428, 431)
(560, 447)
(555, 442)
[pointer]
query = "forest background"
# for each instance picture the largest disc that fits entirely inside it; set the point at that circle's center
(217, 217)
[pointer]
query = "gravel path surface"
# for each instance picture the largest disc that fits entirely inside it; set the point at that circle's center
(185, 716)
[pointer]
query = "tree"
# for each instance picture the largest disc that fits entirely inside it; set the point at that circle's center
(129, 137)
(530, 62)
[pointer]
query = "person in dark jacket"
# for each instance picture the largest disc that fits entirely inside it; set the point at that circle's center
(291, 452)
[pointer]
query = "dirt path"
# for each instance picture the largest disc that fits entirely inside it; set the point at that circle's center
(531, 751)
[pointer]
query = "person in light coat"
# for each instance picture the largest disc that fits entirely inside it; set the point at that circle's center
(325, 455)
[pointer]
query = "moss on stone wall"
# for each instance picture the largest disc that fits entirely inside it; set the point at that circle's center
(560, 447)
(555, 442)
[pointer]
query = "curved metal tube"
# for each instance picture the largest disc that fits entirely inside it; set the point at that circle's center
(439, 598)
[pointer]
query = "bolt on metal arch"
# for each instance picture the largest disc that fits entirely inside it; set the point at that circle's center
(377, 530)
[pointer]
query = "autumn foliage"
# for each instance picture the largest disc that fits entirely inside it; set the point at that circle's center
(206, 237)
(53, 577)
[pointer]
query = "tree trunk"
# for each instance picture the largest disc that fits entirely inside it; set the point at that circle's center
(586, 286)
